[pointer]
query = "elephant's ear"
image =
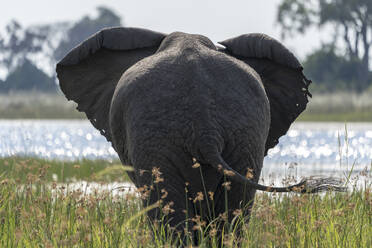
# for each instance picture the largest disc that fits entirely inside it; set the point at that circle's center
(281, 73)
(90, 72)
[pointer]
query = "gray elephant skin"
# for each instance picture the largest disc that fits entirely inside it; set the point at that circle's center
(164, 101)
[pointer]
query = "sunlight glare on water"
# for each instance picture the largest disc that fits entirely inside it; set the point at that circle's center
(58, 139)
(315, 144)
(323, 149)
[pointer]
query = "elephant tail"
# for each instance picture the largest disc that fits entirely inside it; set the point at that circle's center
(307, 185)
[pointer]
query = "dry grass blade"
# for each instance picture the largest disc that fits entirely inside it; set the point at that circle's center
(142, 212)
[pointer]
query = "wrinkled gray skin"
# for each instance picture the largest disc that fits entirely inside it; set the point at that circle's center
(177, 105)
(163, 100)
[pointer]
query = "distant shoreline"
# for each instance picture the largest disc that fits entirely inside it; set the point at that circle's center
(331, 107)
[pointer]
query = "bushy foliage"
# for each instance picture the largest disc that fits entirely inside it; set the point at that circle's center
(85, 28)
(351, 21)
(28, 54)
(28, 77)
(332, 72)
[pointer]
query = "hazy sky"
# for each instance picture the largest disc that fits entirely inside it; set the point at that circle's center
(215, 19)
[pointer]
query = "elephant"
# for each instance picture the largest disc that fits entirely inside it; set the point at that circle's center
(193, 119)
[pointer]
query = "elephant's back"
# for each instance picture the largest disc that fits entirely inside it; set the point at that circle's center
(238, 104)
(180, 98)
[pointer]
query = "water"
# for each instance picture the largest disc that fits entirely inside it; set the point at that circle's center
(53, 139)
(308, 148)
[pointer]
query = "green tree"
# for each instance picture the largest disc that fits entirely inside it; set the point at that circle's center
(26, 48)
(352, 20)
(332, 72)
(28, 77)
(21, 42)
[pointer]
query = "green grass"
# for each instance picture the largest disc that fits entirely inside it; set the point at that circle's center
(20, 169)
(343, 106)
(36, 105)
(36, 212)
(357, 116)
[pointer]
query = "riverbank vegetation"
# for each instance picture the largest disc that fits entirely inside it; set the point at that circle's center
(35, 211)
(20, 169)
(37, 105)
(344, 107)
(341, 107)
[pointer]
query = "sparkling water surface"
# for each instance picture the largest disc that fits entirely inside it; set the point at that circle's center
(322, 148)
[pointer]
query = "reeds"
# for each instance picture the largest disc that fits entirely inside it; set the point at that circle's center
(20, 168)
(37, 212)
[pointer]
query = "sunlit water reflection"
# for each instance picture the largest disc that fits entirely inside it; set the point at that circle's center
(61, 139)
(308, 148)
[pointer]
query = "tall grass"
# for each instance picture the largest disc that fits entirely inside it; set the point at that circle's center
(36, 212)
(34, 215)
(19, 169)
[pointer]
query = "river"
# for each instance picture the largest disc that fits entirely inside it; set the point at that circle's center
(308, 148)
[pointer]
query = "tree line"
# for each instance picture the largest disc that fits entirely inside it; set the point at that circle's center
(29, 54)
(344, 62)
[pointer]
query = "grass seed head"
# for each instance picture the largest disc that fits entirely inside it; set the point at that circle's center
(199, 197)
(199, 223)
(249, 174)
(167, 209)
(164, 193)
(228, 173)
(4, 182)
(196, 165)
(157, 174)
(223, 216)
(227, 185)
(211, 195)
(237, 212)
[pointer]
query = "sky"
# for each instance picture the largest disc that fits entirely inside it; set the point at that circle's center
(216, 19)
